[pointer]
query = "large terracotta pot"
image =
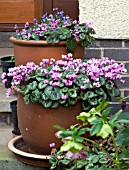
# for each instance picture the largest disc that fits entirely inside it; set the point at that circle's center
(35, 51)
(36, 124)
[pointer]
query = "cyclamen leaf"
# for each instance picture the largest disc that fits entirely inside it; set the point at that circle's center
(41, 85)
(55, 104)
(105, 96)
(85, 106)
(26, 99)
(39, 79)
(83, 95)
(103, 160)
(72, 93)
(56, 40)
(65, 89)
(26, 91)
(44, 97)
(102, 80)
(115, 91)
(65, 162)
(55, 94)
(93, 101)
(84, 43)
(80, 164)
(34, 36)
(99, 91)
(82, 36)
(48, 91)
(72, 101)
(47, 103)
(32, 86)
(63, 37)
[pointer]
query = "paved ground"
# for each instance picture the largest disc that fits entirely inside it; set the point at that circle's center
(6, 51)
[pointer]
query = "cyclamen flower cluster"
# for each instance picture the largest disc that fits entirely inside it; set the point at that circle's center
(69, 72)
(19, 74)
(56, 27)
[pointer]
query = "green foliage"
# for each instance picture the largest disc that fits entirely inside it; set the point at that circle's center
(100, 124)
(12, 59)
(71, 45)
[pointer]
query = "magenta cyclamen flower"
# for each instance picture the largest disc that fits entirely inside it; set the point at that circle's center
(3, 75)
(52, 145)
(64, 97)
(8, 92)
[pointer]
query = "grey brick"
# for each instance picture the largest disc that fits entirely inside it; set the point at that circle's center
(124, 85)
(4, 39)
(107, 43)
(92, 53)
(113, 99)
(127, 67)
(115, 108)
(127, 43)
(117, 54)
(126, 93)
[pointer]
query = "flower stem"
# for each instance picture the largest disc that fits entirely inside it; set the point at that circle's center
(116, 153)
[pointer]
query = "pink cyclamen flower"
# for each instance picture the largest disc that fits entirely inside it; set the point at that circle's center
(3, 75)
(8, 92)
(63, 97)
(45, 81)
(122, 81)
(96, 84)
(4, 81)
(52, 145)
(81, 154)
(83, 87)
(57, 134)
(88, 24)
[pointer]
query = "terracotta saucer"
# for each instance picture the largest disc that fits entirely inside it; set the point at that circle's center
(21, 151)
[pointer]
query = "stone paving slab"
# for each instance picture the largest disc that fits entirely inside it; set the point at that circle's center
(6, 52)
(7, 158)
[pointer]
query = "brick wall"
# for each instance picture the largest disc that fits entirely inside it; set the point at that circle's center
(113, 49)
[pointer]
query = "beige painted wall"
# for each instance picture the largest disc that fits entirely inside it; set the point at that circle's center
(110, 18)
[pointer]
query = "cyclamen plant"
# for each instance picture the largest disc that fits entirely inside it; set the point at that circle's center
(67, 81)
(58, 27)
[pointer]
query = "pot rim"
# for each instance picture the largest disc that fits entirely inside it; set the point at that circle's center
(35, 42)
(11, 146)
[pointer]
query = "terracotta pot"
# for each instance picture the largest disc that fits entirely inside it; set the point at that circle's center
(26, 51)
(36, 124)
